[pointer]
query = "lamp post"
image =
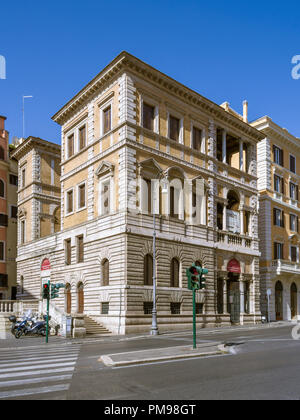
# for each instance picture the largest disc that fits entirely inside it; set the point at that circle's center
(154, 328)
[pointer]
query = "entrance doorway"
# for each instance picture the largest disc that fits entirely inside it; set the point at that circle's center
(279, 301)
(234, 305)
(294, 301)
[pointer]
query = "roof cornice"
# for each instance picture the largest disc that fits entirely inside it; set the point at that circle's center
(30, 142)
(128, 62)
(267, 126)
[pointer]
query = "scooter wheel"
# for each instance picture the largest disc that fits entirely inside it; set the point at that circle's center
(43, 333)
(18, 334)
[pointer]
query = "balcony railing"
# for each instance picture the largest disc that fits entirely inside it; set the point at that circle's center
(233, 239)
(18, 306)
(286, 266)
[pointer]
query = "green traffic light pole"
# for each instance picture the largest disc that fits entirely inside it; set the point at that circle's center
(194, 319)
(47, 321)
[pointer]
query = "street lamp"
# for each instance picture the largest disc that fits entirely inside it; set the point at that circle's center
(154, 328)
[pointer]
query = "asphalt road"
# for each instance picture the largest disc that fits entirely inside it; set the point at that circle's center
(263, 364)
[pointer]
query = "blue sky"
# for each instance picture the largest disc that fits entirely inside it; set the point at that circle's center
(225, 50)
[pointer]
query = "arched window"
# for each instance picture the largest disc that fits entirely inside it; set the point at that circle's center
(174, 279)
(68, 299)
(148, 270)
(2, 189)
(105, 272)
(80, 298)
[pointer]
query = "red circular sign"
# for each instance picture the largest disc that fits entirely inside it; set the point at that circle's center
(234, 267)
(45, 265)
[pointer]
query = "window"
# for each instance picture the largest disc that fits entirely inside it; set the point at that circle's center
(22, 238)
(106, 120)
(278, 184)
(80, 249)
(278, 155)
(292, 164)
(82, 137)
(278, 216)
(105, 308)
(148, 308)
(2, 189)
(293, 223)
(68, 252)
(294, 253)
(175, 308)
(23, 177)
(3, 280)
(2, 251)
(199, 308)
(197, 139)
(293, 191)
(174, 280)
(148, 270)
(148, 116)
(105, 273)
(2, 155)
(71, 145)
(278, 251)
(69, 201)
(174, 128)
(13, 179)
(81, 196)
(3, 219)
(105, 197)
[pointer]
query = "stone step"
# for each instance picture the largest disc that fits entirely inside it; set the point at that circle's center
(94, 328)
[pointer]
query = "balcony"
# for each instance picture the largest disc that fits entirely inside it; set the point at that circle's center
(232, 239)
(287, 267)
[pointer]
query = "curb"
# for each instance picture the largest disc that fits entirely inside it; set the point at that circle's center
(108, 361)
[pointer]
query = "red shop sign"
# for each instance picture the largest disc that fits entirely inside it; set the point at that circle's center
(234, 267)
(45, 265)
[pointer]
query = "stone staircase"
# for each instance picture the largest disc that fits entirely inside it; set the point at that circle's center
(94, 328)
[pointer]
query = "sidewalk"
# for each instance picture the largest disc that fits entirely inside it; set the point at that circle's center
(162, 354)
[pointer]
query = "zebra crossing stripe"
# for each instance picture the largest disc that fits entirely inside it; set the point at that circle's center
(33, 391)
(37, 367)
(58, 360)
(38, 372)
(20, 382)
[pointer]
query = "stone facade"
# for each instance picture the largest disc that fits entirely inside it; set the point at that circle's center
(142, 129)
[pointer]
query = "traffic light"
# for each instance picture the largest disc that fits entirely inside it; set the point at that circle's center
(54, 291)
(196, 280)
(46, 291)
(203, 279)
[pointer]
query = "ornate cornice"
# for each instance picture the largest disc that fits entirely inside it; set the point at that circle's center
(127, 62)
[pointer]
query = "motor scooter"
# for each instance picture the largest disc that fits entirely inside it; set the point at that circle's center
(28, 326)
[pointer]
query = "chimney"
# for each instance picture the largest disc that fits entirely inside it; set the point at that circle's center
(245, 111)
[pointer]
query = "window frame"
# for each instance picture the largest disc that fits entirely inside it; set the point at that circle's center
(102, 108)
(2, 260)
(79, 196)
(67, 212)
(295, 162)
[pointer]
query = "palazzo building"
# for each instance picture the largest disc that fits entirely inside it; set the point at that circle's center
(278, 183)
(135, 142)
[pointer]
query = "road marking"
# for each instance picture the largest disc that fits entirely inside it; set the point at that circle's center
(33, 391)
(7, 384)
(37, 367)
(38, 372)
(58, 360)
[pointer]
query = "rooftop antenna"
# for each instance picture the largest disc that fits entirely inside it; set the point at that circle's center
(24, 97)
